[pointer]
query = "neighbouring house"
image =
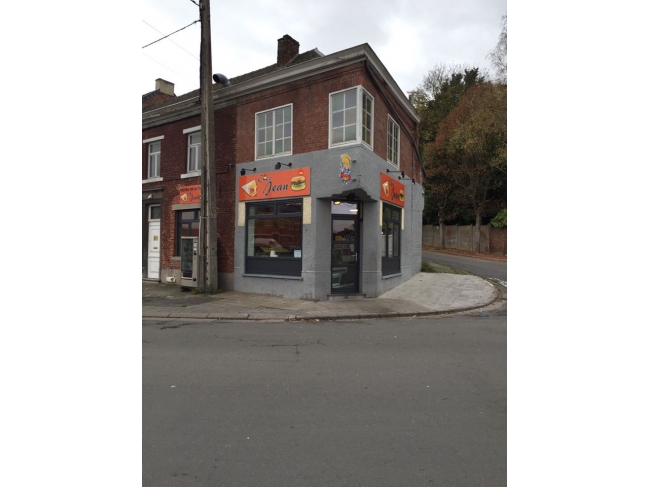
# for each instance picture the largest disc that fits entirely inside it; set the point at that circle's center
(319, 180)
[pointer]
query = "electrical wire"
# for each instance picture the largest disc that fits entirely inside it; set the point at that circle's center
(171, 33)
(172, 41)
(170, 69)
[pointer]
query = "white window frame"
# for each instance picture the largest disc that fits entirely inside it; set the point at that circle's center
(190, 132)
(149, 141)
(360, 92)
(282, 154)
(389, 135)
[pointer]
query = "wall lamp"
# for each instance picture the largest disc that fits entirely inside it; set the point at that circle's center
(402, 175)
(278, 165)
(243, 171)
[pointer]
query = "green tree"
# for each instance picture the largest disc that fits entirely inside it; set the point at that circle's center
(439, 93)
(471, 143)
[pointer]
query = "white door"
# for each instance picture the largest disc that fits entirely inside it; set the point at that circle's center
(153, 255)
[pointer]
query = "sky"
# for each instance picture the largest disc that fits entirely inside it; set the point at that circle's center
(410, 36)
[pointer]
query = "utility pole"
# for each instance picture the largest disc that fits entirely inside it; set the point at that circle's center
(208, 225)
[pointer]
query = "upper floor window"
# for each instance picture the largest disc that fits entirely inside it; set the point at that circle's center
(194, 152)
(273, 132)
(154, 160)
(393, 142)
(351, 117)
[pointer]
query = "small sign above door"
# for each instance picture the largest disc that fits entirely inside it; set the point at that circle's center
(189, 194)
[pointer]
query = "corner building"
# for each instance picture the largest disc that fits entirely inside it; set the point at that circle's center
(319, 181)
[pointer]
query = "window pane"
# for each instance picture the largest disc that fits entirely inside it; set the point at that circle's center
(260, 121)
(260, 210)
(260, 150)
(156, 211)
(287, 114)
(294, 207)
(278, 146)
(187, 215)
(261, 135)
(279, 115)
(350, 132)
(395, 239)
(269, 134)
(337, 136)
(269, 119)
(350, 116)
(351, 99)
(269, 148)
(337, 119)
(395, 215)
(192, 161)
(287, 144)
(195, 138)
(154, 147)
(274, 237)
(337, 102)
(287, 130)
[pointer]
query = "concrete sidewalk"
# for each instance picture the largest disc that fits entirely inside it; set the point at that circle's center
(423, 294)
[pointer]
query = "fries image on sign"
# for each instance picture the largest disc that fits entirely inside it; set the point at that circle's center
(250, 188)
(385, 186)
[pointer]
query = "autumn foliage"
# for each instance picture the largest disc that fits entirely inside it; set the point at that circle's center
(467, 162)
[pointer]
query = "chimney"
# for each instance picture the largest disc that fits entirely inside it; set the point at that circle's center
(165, 87)
(287, 50)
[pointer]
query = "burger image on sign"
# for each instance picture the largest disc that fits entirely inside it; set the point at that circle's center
(401, 195)
(298, 182)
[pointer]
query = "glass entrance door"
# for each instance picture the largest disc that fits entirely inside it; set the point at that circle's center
(345, 248)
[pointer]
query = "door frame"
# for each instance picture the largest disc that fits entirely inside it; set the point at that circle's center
(149, 222)
(357, 265)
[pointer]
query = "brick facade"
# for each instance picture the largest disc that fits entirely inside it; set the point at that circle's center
(235, 144)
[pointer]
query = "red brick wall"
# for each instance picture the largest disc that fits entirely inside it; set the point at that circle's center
(157, 98)
(235, 143)
(310, 98)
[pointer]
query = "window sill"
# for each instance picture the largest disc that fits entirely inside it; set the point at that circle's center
(151, 180)
(383, 278)
(192, 174)
(274, 276)
(351, 143)
(264, 158)
(396, 166)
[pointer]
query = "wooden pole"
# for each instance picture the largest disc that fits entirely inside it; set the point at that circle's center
(208, 259)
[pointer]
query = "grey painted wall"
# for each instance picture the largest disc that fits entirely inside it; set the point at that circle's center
(326, 185)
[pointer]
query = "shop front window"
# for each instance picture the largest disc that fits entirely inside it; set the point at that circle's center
(390, 240)
(187, 225)
(274, 237)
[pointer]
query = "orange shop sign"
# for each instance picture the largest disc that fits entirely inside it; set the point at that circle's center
(277, 184)
(189, 194)
(391, 190)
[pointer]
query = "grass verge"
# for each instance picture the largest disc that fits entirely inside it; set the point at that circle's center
(439, 268)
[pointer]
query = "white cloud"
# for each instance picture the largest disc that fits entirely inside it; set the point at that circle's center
(410, 37)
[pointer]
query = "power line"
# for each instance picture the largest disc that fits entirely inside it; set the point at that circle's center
(170, 69)
(172, 40)
(171, 33)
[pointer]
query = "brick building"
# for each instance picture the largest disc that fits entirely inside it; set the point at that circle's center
(319, 182)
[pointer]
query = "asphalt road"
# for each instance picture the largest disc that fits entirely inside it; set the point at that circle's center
(412, 402)
(479, 267)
